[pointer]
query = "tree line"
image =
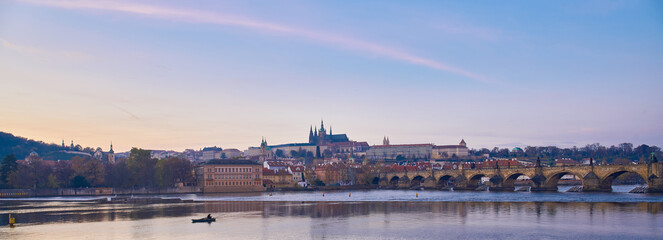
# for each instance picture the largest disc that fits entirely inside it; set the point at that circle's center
(139, 170)
(624, 151)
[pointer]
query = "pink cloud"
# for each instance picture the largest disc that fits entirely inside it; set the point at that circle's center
(239, 21)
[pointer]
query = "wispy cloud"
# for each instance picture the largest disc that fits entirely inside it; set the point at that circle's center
(194, 16)
(127, 112)
(40, 52)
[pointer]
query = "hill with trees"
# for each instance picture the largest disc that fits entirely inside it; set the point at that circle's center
(21, 147)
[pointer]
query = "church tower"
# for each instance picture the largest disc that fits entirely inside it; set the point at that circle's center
(310, 135)
(111, 154)
(322, 134)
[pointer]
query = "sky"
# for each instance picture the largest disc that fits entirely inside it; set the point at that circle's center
(174, 75)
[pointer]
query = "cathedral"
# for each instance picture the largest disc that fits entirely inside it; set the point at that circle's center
(321, 138)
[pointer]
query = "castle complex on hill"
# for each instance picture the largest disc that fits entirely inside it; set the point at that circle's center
(322, 144)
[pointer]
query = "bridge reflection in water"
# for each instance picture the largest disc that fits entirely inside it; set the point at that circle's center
(40, 213)
(335, 220)
(597, 178)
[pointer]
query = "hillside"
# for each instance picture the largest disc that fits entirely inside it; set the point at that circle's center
(21, 147)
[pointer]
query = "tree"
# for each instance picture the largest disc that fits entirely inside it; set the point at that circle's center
(90, 168)
(278, 153)
(63, 173)
(118, 175)
(22, 177)
(79, 182)
(173, 170)
(8, 165)
(141, 165)
(52, 181)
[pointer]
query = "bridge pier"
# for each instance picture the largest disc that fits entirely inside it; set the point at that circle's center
(404, 183)
(592, 183)
(430, 183)
(655, 185)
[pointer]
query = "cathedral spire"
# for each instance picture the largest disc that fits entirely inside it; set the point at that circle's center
(330, 130)
(310, 135)
(322, 126)
(111, 148)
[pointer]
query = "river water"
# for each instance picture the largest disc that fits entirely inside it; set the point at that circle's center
(373, 214)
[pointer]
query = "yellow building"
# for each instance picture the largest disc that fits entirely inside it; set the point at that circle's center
(232, 175)
(278, 179)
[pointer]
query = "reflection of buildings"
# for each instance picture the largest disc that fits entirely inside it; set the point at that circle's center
(232, 175)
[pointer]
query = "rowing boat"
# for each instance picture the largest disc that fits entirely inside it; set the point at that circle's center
(207, 220)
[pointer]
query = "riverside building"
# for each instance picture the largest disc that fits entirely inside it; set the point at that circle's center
(232, 175)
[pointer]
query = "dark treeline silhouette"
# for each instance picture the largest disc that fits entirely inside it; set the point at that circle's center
(612, 154)
(21, 147)
(139, 170)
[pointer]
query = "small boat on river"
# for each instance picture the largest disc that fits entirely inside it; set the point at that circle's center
(207, 220)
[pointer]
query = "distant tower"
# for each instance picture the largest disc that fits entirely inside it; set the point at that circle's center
(263, 145)
(111, 154)
(322, 133)
(462, 143)
(72, 145)
(330, 130)
(63, 143)
(310, 135)
(384, 140)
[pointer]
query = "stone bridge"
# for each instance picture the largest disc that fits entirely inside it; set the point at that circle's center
(595, 178)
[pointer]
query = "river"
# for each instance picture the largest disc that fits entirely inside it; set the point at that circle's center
(372, 214)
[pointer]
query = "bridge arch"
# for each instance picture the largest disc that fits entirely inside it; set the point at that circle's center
(394, 181)
(475, 180)
(445, 181)
(553, 179)
(417, 181)
(510, 180)
(375, 181)
(606, 182)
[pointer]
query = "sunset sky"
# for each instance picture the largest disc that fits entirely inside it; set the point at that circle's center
(190, 74)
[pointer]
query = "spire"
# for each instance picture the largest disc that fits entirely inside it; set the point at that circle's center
(310, 135)
(111, 148)
(316, 132)
(330, 130)
(322, 126)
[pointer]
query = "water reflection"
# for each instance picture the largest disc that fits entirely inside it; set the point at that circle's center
(38, 213)
(336, 220)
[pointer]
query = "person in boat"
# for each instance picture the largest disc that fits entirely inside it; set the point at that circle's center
(209, 216)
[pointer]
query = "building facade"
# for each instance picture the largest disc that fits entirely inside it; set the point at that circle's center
(211, 153)
(232, 175)
(416, 151)
(450, 151)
